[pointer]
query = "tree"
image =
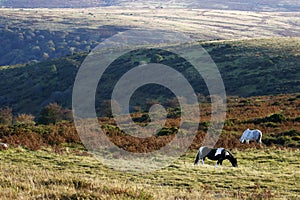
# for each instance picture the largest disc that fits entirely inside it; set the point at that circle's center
(6, 116)
(67, 115)
(106, 108)
(51, 114)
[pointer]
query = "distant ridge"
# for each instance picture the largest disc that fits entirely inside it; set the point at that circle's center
(248, 67)
(252, 5)
(52, 3)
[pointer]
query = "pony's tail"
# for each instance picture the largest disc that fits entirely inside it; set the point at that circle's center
(197, 158)
(259, 138)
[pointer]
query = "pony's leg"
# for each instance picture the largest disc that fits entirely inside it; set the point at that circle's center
(247, 141)
(259, 142)
(216, 165)
(202, 161)
(219, 162)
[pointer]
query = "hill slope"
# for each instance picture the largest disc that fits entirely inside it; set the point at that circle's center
(248, 67)
(31, 35)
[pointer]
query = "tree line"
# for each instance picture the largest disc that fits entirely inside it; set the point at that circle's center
(50, 114)
(24, 45)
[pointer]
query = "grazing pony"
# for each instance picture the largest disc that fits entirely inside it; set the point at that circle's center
(219, 154)
(3, 146)
(251, 135)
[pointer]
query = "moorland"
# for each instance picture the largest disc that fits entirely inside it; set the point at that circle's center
(257, 54)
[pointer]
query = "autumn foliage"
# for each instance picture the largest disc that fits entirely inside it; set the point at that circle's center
(278, 117)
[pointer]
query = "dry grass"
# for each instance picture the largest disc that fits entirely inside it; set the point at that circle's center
(262, 174)
(200, 23)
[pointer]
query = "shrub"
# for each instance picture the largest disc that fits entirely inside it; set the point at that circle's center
(230, 122)
(276, 103)
(288, 138)
(271, 124)
(167, 131)
(26, 119)
(297, 119)
(291, 133)
(204, 126)
(35, 137)
(245, 102)
(67, 115)
(276, 118)
(292, 99)
(296, 138)
(6, 116)
(143, 119)
(51, 114)
(105, 109)
(174, 113)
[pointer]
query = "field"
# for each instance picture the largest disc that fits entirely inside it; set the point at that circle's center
(202, 24)
(257, 54)
(49, 162)
(263, 173)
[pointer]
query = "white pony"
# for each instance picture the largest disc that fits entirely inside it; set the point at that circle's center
(250, 135)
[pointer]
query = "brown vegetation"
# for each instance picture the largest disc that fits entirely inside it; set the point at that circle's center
(278, 117)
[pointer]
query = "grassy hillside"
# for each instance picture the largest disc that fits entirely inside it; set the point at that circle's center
(258, 66)
(32, 35)
(28, 88)
(248, 67)
(73, 174)
(60, 168)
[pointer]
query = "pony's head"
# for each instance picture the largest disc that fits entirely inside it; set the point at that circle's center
(244, 135)
(242, 140)
(234, 162)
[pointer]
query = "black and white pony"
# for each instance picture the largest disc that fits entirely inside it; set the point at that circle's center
(251, 135)
(218, 154)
